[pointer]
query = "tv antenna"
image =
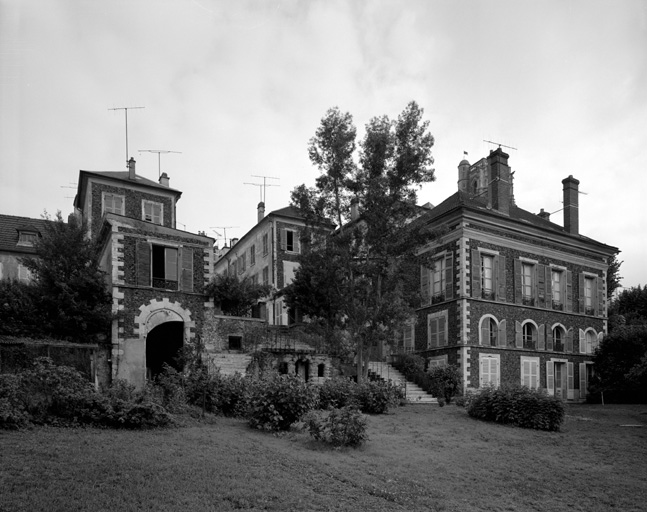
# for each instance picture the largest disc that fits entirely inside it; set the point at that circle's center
(499, 144)
(159, 158)
(125, 109)
(224, 229)
(264, 185)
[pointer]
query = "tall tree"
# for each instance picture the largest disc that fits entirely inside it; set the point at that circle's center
(236, 297)
(369, 267)
(613, 276)
(73, 301)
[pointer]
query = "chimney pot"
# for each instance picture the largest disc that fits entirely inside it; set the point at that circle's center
(164, 180)
(131, 168)
(544, 215)
(261, 211)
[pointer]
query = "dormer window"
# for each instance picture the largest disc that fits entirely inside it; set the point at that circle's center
(27, 238)
(152, 212)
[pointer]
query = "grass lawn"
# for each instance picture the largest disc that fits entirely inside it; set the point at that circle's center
(419, 457)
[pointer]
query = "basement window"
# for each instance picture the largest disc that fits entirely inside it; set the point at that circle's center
(235, 342)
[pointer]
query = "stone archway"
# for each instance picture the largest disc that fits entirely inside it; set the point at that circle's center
(164, 347)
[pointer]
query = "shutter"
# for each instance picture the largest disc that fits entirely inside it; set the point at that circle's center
(569, 340)
(550, 377)
(582, 380)
(476, 274)
(580, 300)
(599, 303)
(549, 339)
(502, 338)
(525, 373)
(485, 332)
(534, 374)
(449, 276)
(494, 371)
(541, 340)
(599, 339)
(442, 331)
(517, 282)
(582, 342)
(143, 277)
(549, 288)
(433, 332)
(171, 264)
(297, 243)
(186, 273)
(424, 285)
(283, 239)
(485, 372)
(518, 335)
(540, 274)
(500, 278)
(571, 384)
(569, 291)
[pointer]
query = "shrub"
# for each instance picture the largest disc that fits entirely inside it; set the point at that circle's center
(337, 393)
(377, 397)
(12, 408)
(218, 394)
(410, 365)
(519, 406)
(278, 401)
(444, 381)
(339, 427)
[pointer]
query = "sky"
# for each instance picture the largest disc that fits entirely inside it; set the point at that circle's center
(237, 88)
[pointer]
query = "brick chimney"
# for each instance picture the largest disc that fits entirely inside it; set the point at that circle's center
(131, 168)
(544, 215)
(571, 205)
(164, 180)
(261, 211)
(500, 181)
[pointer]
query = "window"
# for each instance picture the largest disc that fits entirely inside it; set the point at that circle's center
(492, 332)
(487, 271)
(559, 338)
(437, 329)
(588, 294)
(529, 335)
(266, 276)
(437, 361)
(438, 278)
(557, 286)
(436, 284)
(254, 279)
(289, 271)
(588, 341)
(152, 212)
(289, 240)
(489, 365)
(27, 238)
(24, 274)
(408, 335)
(164, 267)
(488, 277)
(530, 372)
(242, 263)
(235, 342)
(527, 283)
(321, 370)
(113, 203)
(265, 245)
(586, 374)
(252, 255)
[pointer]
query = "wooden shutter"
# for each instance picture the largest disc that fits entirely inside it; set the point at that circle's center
(582, 342)
(186, 269)
(569, 291)
(550, 377)
(476, 274)
(549, 339)
(534, 374)
(540, 275)
(442, 331)
(569, 340)
(424, 285)
(570, 384)
(580, 300)
(484, 372)
(517, 282)
(549, 288)
(283, 239)
(582, 380)
(143, 263)
(541, 337)
(485, 332)
(599, 303)
(518, 335)
(525, 373)
(296, 242)
(449, 276)
(502, 338)
(599, 340)
(433, 332)
(500, 278)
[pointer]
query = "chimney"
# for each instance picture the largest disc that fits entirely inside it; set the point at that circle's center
(164, 180)
(131, 168)
(571, 202)
(234, 241)
(500, 181)
(463, 175)
(354, 209)
(261, 211)
(544, 215)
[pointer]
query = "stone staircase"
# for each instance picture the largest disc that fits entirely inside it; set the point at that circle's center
(415, 394)
(230, 363)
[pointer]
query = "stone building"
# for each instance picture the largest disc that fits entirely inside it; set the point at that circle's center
(512, 297)
(17, 238)
(156, 273)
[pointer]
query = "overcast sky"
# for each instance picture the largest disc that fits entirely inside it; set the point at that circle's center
(240, 87)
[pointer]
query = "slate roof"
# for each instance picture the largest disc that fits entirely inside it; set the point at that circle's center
(10, 225)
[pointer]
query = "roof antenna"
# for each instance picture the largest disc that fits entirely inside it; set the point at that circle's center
(159, 162)
(224, 228)
(499, 144)
(125, 109)
(264, 185)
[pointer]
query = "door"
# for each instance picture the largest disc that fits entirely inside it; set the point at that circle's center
(560, 380)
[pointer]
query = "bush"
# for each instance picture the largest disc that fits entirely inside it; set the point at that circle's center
(278, 401)
(218, 394)
(410, 365)
(377, 397)
(339, 427)
(444, 381)
(337, 393)
(12, 408)
(517, 405)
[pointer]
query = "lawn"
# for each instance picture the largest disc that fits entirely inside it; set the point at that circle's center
(419, 457)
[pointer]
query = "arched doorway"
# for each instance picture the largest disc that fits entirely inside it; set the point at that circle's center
(164, 346)
(302, 369)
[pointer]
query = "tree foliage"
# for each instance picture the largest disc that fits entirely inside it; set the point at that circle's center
(613, 276)
(621, 365)
(364, 278)
(236, 297)
(68, 297)
(629, 307)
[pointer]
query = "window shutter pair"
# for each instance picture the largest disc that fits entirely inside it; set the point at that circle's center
(143, 266)
(489, 371)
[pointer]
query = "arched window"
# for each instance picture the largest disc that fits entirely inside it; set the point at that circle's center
(489, 331)
(591, 341)
(529, 334)
(559, 338)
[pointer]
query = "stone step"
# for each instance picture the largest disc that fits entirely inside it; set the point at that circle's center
(415, 394)
(229, 364)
